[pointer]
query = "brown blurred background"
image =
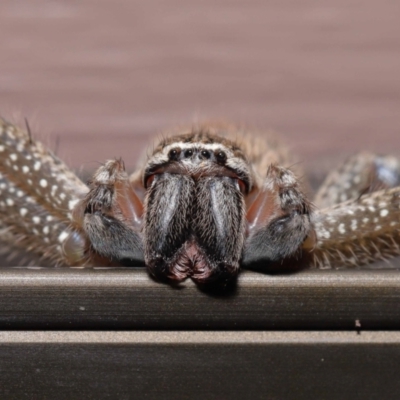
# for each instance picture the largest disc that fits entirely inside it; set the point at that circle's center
(101, 76)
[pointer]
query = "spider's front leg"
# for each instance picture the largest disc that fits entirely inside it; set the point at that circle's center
(278, 220)
(110, 218)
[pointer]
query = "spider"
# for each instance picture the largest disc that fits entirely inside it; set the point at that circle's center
(209, 200)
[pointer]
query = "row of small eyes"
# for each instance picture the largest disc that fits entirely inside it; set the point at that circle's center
(175, 154)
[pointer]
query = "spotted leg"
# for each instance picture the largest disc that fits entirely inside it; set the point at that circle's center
(360, 223)
(37, 195)
(46, 210)
(361, 174)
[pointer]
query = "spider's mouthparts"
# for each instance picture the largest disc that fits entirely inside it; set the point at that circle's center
(192, 262)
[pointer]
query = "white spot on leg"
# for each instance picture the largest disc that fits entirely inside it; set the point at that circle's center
(331, 220)
(63, 235)
(325, 234)
(72, 204)
(384, 212)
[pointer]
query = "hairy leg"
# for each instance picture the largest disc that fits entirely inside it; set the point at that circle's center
(359, 231)
(45, 209)
(279, 220)
(37, 195)
(110, 217)
(360, 223)
(361, 174)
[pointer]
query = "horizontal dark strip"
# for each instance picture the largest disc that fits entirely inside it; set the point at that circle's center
(126, 298)
(199, 365)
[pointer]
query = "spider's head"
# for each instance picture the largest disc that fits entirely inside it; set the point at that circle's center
(198, 154)
(194, 208)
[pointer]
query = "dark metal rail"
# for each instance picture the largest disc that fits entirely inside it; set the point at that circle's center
(98, 299)
(199, 365)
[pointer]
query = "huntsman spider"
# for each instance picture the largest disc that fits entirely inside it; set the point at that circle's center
(209, 200)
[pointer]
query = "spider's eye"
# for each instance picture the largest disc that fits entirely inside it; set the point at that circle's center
(174, 154)
(220, 156)
(188, 153)
(205, 154)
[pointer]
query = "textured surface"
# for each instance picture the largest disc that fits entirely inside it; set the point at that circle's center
(129, 299)
(199, 365)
